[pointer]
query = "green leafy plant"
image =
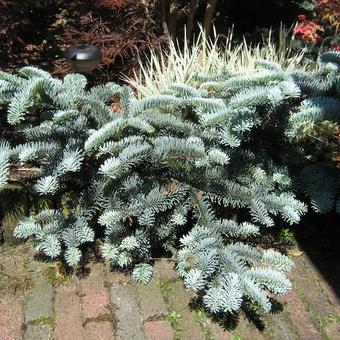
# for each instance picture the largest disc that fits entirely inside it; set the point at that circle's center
(286, 236)
(173, 317)
(202, 320)
(164, 286)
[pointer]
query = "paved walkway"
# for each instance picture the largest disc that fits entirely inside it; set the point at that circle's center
(37, 301)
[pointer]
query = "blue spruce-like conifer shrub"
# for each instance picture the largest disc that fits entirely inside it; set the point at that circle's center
(198, 171)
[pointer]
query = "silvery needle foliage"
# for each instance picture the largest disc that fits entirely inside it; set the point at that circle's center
(194, 170)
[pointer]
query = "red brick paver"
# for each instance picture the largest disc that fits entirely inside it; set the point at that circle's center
(94, 294)
(114, 278)
(300, 317)
(10, 319)
(179, 299)
(95, 303)
(151, 301)
(309, 290)
(98, 331)
(68, 314)
(332, 331)
(158, 330)
(218, 332)
(164, 268)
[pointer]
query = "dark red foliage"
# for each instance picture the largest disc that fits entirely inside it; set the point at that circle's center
(23, 30)
(121, 31)
(307, 30)
(36, 32)
(112, 3)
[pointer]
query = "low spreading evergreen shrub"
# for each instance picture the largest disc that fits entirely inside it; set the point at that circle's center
(197, 171)
(314, 129)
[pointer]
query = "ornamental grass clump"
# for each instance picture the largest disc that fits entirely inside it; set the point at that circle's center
(161, 69)
(199, 171)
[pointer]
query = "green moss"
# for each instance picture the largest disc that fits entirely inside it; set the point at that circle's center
(320, 323)
(308, 307)
(173, 317)
(201, 319)
(269, 331)
(333, 318)
(52, 277)
(12, 283)
(110, 316)
(290, 324)
(164, 286)
(25, 263)
(42, 321)
(14, 265)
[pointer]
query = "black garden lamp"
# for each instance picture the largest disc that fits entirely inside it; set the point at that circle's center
(83, 58)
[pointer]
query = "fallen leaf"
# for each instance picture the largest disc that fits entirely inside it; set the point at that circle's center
(296, 252)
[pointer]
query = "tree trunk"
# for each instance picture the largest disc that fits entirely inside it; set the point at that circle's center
(209, 12)
(172, 20)
(165, 9)
(190, 19)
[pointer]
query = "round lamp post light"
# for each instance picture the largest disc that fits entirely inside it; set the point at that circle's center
(83, 58)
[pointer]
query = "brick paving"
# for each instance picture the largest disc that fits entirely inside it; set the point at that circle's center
(94, 294)
(98, 331)
(68, 316)
(129, 321)
(39, 302)
(39, 332)
(300, 317)
(106, 305)
(11, 318)
(151, 303)
(158, 330)
(178, 302)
